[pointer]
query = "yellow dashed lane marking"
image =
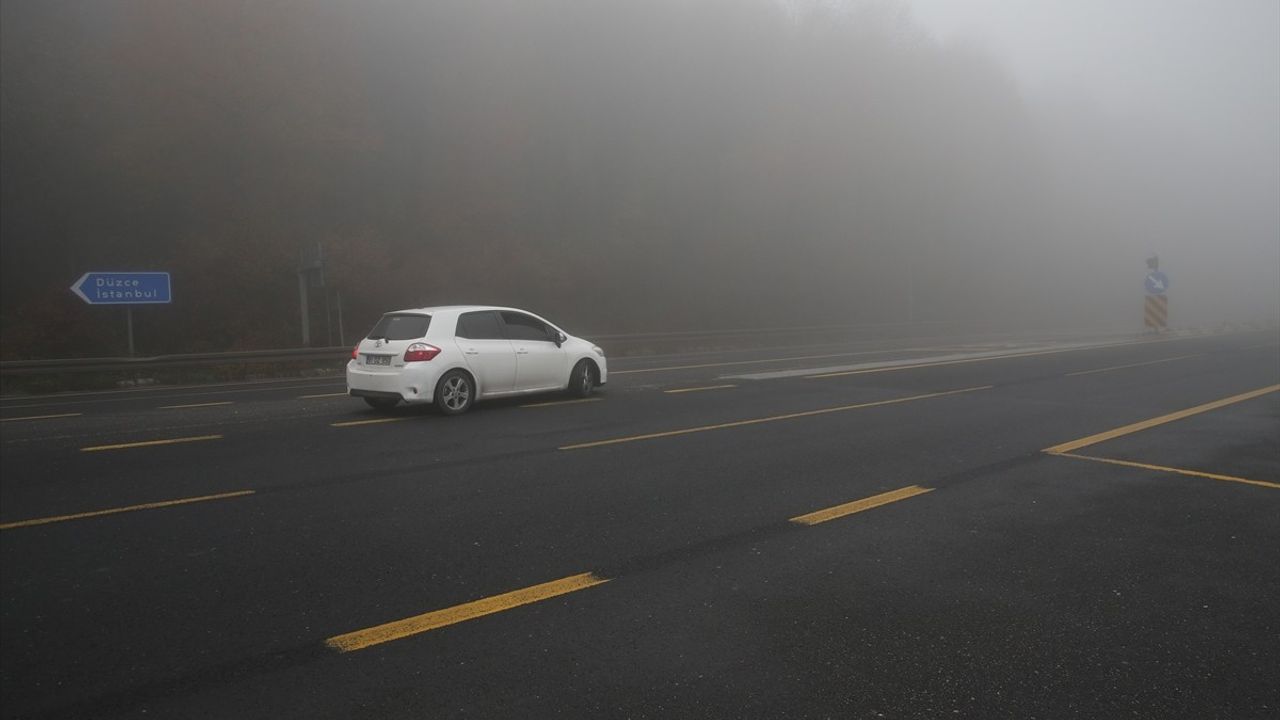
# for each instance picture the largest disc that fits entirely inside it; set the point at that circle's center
(151, 443)
(41, 417)
(387, 632)
(561, 402)
(1179, 471)
(1131, 365)
(130, 508)
(857, 506)
(698, 389)
(195, 405)
(375, 421)
(775, 418)
(1153, 422)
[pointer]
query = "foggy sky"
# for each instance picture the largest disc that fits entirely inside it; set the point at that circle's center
(621, 166)
(1190, 92)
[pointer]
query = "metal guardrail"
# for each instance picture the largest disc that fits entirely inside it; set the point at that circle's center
(107, 364)
(793, 329)
(9, 368)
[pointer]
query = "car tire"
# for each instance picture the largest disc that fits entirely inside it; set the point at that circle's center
(382, 403)
(582, 381)
(455, 393)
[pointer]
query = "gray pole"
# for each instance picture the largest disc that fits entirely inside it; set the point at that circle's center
(328, 320)
(911, 294)
(128, 315)
(306, 312)
(341, 335)
(911, 298)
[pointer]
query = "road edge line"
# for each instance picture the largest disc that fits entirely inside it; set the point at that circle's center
(1131, 428)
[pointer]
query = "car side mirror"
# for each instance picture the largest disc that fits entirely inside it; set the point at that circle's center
(559, 338)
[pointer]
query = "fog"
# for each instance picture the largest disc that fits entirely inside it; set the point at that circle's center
(622, 166)
(1164, 117)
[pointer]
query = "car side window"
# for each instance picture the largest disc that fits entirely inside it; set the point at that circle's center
(525, 327)
(481, 325)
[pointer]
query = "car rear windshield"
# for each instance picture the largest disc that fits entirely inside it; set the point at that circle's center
(400, 326)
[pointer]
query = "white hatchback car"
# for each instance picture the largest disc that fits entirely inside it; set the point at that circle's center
(456, 355)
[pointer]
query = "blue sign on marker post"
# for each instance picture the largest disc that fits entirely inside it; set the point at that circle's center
(1157, 283)
(124, 288)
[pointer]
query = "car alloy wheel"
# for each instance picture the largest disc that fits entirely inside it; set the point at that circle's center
(454, 394)
(582, 380)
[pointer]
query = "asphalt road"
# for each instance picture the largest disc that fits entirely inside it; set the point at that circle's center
(901, 529)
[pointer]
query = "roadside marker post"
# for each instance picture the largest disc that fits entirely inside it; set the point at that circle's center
(1156, 309)
(1156, 312)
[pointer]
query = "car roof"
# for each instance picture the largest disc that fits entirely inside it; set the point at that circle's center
(455, 310)
(438, 309)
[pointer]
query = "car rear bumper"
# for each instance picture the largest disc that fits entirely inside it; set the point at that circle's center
(411, 384)
(357, 392)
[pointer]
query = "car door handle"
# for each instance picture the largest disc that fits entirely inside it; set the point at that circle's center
(472, 351)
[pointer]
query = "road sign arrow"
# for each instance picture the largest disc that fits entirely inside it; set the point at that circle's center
(76, 288)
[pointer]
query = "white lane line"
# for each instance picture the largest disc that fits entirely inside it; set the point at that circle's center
(677, 391)
(41, 417)
(194, 405)
(1130, 365)
(927, 361)
(562, 402)
(374, 421)
(762, 361)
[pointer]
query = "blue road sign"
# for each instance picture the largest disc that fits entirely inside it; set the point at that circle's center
(1157, 283)
(123, 288)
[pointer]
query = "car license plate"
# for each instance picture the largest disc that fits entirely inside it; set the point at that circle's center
(377, 359)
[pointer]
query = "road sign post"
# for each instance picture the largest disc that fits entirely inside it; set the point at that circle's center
(124, 288)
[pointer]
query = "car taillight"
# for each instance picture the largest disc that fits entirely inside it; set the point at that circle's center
(419, 352)
(355, 352)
